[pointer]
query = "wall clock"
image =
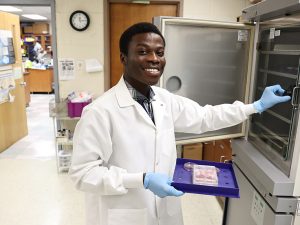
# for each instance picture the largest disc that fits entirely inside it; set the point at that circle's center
(79, 20)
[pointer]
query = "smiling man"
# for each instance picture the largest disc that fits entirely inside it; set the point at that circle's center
(124, 145)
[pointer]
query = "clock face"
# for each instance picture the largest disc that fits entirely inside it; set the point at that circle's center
(79, 20)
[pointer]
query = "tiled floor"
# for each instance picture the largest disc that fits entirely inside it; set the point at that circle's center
(33, 193)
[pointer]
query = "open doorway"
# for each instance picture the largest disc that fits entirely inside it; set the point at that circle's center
(36, 47)
(35, 42)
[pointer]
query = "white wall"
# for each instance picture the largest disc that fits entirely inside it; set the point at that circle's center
(80, 45)
(90, 43)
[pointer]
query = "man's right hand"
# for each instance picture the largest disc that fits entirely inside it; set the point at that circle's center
(160, 185)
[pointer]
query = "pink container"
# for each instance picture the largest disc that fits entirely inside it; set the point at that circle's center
(75, 108)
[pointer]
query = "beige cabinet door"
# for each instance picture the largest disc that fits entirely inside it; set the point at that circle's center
(123, 15)
(13, 119)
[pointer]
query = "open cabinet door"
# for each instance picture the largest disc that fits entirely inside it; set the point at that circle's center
(13, 120)
(208, 62)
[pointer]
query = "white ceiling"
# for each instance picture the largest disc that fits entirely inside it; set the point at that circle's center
(40, 10)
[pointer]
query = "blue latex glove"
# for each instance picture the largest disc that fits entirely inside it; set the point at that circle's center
(160, 185)
(270, 97)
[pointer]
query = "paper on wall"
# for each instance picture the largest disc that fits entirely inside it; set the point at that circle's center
(4, 50)
(66, 69)
(4, 35)
(7, 79)
(7, 83)
(18, 72)
(4, 95)
(93, 65)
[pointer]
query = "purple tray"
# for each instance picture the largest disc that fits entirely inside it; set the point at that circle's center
(227, 186)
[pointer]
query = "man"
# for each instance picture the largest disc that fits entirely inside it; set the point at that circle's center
(37, 47)
(124, 145)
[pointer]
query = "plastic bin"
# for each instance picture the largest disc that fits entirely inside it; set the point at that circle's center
(227, 183)
(75, 108)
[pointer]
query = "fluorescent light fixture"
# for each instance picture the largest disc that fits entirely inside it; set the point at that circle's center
(141, 1)
(9, 9)
(34, 17)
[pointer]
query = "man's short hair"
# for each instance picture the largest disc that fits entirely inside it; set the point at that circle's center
(137, 28)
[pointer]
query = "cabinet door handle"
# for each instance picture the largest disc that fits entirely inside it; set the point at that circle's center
(222, 146)
(295, 104)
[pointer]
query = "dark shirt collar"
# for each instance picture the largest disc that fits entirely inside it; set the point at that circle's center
(137, 96)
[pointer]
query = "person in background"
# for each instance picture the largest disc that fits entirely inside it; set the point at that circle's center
(124, 149)
(37, 47)
(39, 52)
(31, 52)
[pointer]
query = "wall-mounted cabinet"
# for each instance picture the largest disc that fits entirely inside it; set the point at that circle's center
(36, 28)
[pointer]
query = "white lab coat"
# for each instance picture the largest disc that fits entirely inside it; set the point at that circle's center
(115, 141)
(37, 48)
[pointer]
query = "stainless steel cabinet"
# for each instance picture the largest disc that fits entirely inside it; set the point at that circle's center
(251, 208)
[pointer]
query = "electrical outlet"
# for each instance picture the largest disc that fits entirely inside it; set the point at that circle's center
(79, 65)
(258, 209)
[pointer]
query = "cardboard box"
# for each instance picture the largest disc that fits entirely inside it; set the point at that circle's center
(28, 30)
(193, 151)
(40, 28)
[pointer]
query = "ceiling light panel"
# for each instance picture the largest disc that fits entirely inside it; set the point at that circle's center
(9, 9)
(34, 17)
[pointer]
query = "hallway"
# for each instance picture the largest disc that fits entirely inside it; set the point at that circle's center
(31, 190)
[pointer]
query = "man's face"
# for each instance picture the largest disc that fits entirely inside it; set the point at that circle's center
(145, 60)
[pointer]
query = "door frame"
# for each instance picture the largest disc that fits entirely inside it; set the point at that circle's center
(106, 3)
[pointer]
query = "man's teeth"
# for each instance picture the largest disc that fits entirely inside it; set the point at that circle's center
(151, 70)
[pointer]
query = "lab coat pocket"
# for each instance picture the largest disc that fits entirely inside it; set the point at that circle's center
(127, 216)
(173, 206)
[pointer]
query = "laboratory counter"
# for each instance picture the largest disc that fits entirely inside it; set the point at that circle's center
(40, 80)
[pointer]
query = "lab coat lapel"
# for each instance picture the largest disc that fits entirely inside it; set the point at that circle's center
(158, 110)
(144, 114)
(125, 100)
(122, 94)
